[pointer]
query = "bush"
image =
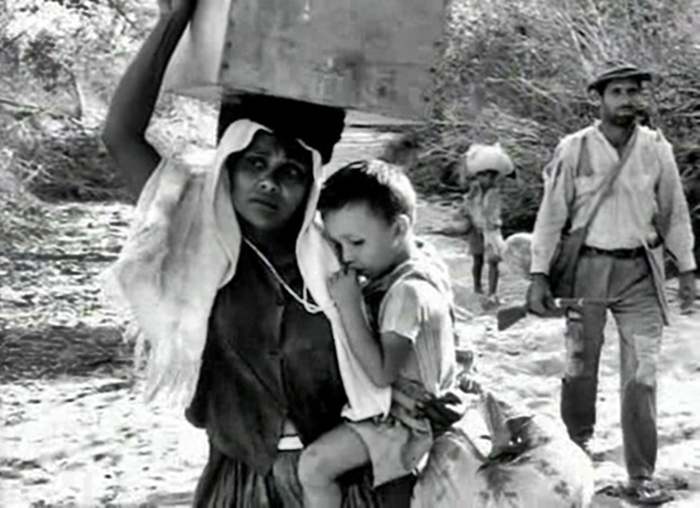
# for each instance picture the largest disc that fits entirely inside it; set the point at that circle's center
(63, 160)
(22, 218)
(61, 61)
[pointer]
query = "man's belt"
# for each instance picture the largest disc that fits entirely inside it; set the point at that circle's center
(636, 252)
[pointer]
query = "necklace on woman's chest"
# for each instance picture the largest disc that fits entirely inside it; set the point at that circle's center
(302, 300)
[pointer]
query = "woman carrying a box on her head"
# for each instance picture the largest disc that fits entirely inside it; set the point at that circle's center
(225, 274)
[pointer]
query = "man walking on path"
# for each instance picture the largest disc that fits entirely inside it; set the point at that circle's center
(643, 212)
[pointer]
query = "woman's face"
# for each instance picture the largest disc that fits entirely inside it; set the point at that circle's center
(270, 181)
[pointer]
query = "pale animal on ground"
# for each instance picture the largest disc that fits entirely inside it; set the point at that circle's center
(516, 254)
(532, 463)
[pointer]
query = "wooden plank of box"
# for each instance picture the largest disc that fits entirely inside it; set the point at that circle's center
(370, 55)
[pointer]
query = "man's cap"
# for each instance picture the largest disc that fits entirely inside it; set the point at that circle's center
(318, 126)
(618, 70)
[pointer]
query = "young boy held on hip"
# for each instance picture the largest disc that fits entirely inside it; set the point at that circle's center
(395, 301)
(487, 164)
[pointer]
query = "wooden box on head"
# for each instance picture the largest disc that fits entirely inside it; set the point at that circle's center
(374, 56)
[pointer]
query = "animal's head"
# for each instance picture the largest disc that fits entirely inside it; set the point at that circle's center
(512, 429)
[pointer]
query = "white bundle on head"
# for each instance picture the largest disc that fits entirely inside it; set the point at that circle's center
(482, 157)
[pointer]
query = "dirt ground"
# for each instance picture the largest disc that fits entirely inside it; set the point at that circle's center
(76, 433)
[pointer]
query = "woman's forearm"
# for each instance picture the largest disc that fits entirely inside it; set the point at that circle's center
(135, 98)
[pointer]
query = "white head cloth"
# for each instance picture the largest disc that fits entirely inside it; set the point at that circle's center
(184, 245)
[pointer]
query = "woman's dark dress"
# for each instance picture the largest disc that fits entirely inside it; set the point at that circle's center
(267, 360)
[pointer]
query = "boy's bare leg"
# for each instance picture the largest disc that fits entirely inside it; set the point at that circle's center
(477, 269)
(324, 460)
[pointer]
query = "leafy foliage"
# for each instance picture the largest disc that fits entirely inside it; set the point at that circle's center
(61, 60)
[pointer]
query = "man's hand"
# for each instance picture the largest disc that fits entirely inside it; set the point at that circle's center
(345, 288)
(539, 296)
(686, 290)
(179, 7)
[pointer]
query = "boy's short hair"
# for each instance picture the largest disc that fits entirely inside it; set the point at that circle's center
(384, 187)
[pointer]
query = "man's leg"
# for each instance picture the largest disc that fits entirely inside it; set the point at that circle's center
(327, 458)
(640, 324)
(584, 341)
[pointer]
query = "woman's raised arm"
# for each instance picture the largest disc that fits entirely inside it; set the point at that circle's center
(135, 98)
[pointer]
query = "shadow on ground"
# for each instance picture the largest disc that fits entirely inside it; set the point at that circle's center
(56, 351)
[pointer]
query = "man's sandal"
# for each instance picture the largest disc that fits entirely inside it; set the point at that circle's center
(647, 493)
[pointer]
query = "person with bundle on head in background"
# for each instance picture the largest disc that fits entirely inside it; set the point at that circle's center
(486, 165)
(395, 301)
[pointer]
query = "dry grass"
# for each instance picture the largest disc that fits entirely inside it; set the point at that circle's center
(22, 217)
